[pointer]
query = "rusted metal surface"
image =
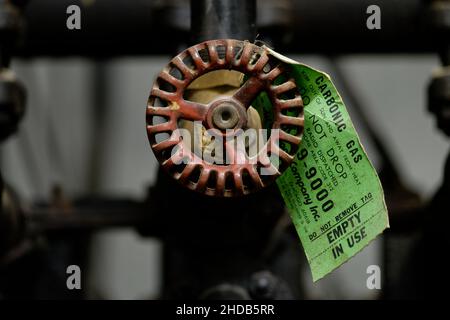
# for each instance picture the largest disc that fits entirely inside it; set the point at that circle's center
(167, 102)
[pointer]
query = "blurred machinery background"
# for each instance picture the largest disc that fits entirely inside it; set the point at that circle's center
(80, 185)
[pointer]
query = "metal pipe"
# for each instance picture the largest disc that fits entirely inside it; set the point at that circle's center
(146, 27)
(220, 19)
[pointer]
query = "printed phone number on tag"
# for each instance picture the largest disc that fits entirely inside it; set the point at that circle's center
(320, 200)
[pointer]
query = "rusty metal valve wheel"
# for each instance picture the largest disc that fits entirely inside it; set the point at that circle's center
(167, 105)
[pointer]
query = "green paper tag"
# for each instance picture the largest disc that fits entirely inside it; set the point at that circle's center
(331, 190)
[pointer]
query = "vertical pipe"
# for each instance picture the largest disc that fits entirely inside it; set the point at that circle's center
(220, 19)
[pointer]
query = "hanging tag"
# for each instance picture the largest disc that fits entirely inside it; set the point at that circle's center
(331, 190)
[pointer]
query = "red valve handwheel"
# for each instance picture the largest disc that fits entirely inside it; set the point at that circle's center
(167, 105)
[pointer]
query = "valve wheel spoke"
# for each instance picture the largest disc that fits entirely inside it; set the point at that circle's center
(249, 91)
